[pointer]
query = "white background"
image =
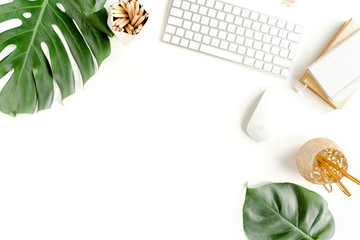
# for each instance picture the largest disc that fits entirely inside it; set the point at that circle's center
(154, 147)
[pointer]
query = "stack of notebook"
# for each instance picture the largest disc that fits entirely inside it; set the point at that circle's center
(335, 75)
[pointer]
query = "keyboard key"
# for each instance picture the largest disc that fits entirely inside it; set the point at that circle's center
(214, 23)
(249, 33)
(222, 25)
(249, 43)
(196, 18)
(284, 72)
(220, 16)
(213, 32)
(219, 5)
(210, 3)
(196, 27)
(263, 18)
(204, 30)
(245, 13)
(229, 18)
(194, 8)
(215, 42)
(265, 28)
(175, 40)
(221, 53)
(291, 54)
(257, 45)
(176, 12)
(232, 47)
(185, 5)
(275, 41)
(259, 64)
(268, 57)
(281, 24)
(240, 40)
(175, 21)
(259, 55)
(298, 29)
(293, 37)
(282, 62)
(284, 44)
(224, 45)
(258, 36)
(189, 34)
(290, 26)
(184, 42)
(267, 67)
(276, 70)
(274, 31)
(249, 61)
(238, 20)
(254, 16)
(167, 37)
(170, 29)
(180, 32)
(283, 33)
(231, 28)
(198, 37)
(240, 31)
(247, 23)
(227, 8)
(212, 13)
(267, 38)
(222, 35)
(272, 21)
(194, 45)
(241, 50)
(205, 20)
(292, 46)
(201, 2)
(284, 53)
(256, 26)
(250, 52)
(177, 3)
(203, 10)
(231, 37)
(206, 39)
(236, 11)
(275, 50)
(187, 25)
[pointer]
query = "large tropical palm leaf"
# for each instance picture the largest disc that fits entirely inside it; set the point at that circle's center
(31, 86)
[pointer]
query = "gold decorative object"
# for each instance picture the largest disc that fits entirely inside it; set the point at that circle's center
(288, 2)
(321, 161)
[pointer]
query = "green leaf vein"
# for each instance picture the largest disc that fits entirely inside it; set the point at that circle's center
(286, 221)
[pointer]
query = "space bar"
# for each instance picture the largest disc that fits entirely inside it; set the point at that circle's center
(221, 53)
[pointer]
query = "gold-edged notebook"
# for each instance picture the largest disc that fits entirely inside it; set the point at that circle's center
(346, 30)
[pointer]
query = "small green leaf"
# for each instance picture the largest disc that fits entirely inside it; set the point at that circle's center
(285, 211)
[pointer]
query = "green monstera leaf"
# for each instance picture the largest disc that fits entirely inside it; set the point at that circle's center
(60, 25)
(286, 211)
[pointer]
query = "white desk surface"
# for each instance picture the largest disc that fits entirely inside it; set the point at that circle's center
(154, 146)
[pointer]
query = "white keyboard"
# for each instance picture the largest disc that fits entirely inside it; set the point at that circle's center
(224, 30)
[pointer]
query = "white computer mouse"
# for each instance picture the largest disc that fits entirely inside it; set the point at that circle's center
(268, 115)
